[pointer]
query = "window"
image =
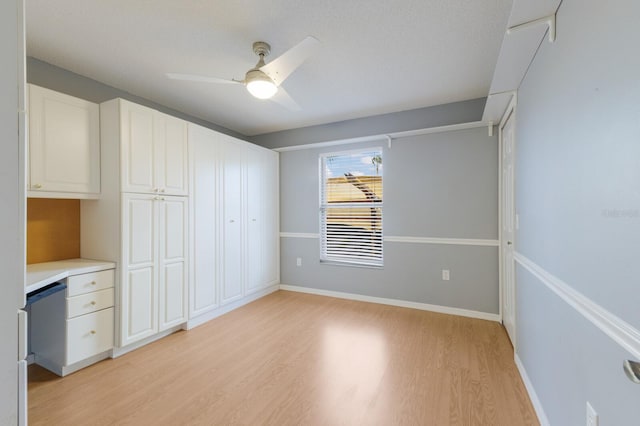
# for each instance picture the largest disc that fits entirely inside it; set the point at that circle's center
(351, 207)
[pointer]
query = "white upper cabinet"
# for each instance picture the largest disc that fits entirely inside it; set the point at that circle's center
(64, 145)
(171, 155)
(154, 151)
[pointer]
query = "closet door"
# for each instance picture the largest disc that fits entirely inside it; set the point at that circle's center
(232, 222)
(255, 172)
(271, 222)
(139, 279)
(204, 183)
(172, 260)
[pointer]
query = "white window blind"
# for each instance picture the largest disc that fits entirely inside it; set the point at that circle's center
(351, 207)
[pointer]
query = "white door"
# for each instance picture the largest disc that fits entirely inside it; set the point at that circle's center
(203, 258)
(139, 280)
(507, 147)
(271, 221)
(12, 187)
(171, 155)
(137, 148)
(232, 244)
(172, 261)
(255, 218)
(64, 142)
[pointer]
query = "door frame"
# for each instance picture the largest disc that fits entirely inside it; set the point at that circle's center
(510, 111)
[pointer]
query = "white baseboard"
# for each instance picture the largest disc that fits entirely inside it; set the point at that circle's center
(533, 396)
(203, 318)
(132, 347)
(63, 370)
(395, 302)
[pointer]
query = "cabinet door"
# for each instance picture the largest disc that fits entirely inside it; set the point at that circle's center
(255, 218)
(139, 280)
(64, 143)
(205, 178)
(232, 241)
(172, 261)
(137, 152)
(171, 155)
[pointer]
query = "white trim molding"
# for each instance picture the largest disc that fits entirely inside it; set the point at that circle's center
(221, 310)
(436, 240)
(388, 137)
(298, 235)
(394, 302)
(617, 329)
(537, 405)
(411, 240)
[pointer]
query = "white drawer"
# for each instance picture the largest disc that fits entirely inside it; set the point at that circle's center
(85, 283)
(89, 335)
(89, 302)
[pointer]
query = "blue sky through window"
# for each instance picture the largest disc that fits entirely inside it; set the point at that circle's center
(358, 164)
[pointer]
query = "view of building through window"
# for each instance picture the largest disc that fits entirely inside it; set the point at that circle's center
(351, 207)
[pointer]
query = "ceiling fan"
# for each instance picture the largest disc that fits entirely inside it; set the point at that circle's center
(263, 81)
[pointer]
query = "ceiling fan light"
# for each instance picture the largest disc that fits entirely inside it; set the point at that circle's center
(262, 89)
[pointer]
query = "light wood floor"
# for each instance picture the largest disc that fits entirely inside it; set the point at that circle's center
(297, 359)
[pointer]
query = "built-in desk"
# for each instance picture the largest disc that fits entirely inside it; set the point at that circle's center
(74, 328)
(42, 274)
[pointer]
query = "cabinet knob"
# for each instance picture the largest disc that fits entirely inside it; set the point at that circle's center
(93, 303)
(36, 186)
(93, 283)
(254, 220)
(92, 332)
(162, 190)
(231, 221)
(155, 189)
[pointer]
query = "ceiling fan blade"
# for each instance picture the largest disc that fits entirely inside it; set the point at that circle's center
(200, 78)
(282, 97)
(281, 67)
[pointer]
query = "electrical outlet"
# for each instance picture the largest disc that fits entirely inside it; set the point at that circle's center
(298, 261)
(592, 416)
(445, 275)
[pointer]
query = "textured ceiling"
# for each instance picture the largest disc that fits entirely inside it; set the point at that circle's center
(377, 56)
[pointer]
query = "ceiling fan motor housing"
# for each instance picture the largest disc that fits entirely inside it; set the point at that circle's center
(261, 48)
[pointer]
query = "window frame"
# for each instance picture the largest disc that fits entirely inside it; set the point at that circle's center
(325, 259)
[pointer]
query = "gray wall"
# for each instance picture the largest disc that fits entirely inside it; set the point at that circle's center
(578, 198)
(434, 116)
(52, 77)
(437, 185)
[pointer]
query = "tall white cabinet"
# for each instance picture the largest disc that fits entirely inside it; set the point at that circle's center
(234, 221)
(141, 220)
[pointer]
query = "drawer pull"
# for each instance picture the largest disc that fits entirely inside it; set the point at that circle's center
(92, 332)
(36, 186)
